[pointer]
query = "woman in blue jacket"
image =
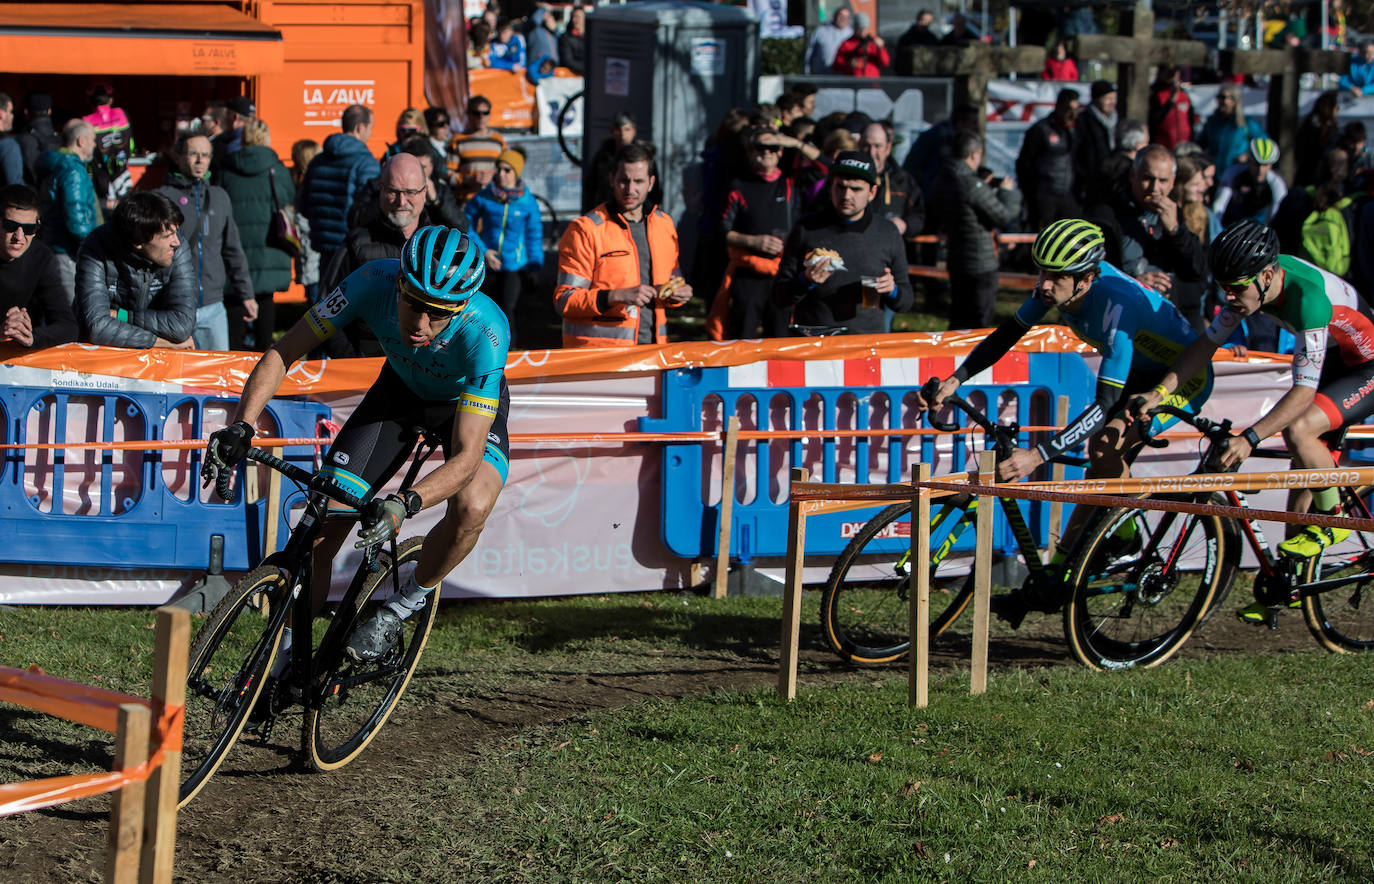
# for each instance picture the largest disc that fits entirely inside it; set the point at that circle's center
(506, 217)
(1228, 132)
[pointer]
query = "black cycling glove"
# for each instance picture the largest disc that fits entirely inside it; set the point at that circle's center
(226, 448)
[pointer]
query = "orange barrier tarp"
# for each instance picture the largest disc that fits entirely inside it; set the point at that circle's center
(225, 373)
(1084, 491)
(92, 707)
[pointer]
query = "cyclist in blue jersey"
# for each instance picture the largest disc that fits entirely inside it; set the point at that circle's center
(1138, 334)
(445, 345)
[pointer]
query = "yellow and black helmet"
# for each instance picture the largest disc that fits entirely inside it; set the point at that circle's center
(1069, 246)
(1264, 151)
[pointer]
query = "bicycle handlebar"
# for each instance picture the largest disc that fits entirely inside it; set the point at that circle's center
(314, 481)
(1216, 432)
(1003, 435)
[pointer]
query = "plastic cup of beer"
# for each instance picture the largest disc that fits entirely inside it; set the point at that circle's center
(870, 297)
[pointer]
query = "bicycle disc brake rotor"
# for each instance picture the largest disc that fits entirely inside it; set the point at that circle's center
(1154, 584)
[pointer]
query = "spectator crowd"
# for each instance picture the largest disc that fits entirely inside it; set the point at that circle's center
(808, 224)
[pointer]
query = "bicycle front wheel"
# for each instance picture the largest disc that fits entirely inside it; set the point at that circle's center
(866, 605)
(1342, 617)
(1141, 585)
(225, 671)
(351, 701)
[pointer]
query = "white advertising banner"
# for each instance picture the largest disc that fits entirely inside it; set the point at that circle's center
(579, 517)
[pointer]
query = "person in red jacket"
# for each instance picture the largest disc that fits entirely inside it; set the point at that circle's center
(1058, 65)
(864, 54)
(1172, 117)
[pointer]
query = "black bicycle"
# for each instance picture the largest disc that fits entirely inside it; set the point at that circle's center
(230, 685)
(1108, 625)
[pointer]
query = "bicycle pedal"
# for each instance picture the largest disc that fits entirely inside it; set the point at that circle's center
(1010, 608)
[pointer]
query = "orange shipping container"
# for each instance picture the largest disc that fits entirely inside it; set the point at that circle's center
(302, 62)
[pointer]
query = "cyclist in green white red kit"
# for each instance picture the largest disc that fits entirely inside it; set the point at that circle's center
(1333, 365)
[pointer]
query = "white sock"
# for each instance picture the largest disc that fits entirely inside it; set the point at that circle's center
(410, 599)
(283, 653)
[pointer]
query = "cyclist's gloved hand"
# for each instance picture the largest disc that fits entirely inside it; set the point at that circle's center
(930, 392)
(226, 448)
(381, 521)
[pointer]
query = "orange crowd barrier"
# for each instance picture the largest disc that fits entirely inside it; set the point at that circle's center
(147, 766)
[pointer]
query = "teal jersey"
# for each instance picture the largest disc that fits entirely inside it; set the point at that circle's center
(466, 361)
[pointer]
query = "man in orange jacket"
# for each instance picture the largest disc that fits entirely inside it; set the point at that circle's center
(618, 264)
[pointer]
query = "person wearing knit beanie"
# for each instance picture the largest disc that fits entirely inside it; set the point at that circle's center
(515, 159)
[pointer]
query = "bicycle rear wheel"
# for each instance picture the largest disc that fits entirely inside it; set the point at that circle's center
(225, 672)
(1342, 618)
(865, 608)
(1141, 585)
(353, 700)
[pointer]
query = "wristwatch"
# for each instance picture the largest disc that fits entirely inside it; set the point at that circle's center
(1249, 435)
(411, 500)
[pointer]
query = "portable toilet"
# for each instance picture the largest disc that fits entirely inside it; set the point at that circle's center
(678, 67)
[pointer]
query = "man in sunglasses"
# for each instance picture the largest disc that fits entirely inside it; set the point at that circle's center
(445, 345)
(1333, 365)
(472, 153)
(33, 301)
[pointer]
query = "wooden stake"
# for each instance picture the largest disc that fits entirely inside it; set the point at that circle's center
(169, 691)
(126, 808)
(1061, 417)
(918, 678)
(727, 506)
(982, 574)
(273, 520)
(792, 591)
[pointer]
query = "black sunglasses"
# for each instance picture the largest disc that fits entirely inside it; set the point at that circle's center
(768, 148)
(481, 113)
(432, 312)
(11, 226)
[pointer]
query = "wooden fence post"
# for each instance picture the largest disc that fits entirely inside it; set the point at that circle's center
(1061, 417)
(982, 573)
(727, 506)
(918, 678)
(269, 540)
(169, 693)
(792, 591)
(125, 838)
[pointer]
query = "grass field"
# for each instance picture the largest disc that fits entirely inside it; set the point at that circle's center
(1235, 767)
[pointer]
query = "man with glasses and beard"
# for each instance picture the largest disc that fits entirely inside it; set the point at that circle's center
(33, 301)
(400, 212)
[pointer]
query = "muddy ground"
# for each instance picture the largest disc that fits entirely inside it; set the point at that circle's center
(261, 819)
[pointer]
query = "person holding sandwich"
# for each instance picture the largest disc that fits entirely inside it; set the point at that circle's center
(843, 264)
(618, 264)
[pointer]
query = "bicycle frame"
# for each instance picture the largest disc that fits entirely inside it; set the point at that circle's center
(1277, 583)
(296, 559)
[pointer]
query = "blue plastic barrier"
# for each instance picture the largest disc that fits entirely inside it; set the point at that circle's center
(120, 511)
(829, 395)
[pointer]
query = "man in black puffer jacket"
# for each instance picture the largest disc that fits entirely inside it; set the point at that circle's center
(135, 286)
(1045, 166)
(828, 290)
(970, 209)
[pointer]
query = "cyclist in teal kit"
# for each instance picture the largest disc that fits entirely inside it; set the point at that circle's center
(445, 344)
